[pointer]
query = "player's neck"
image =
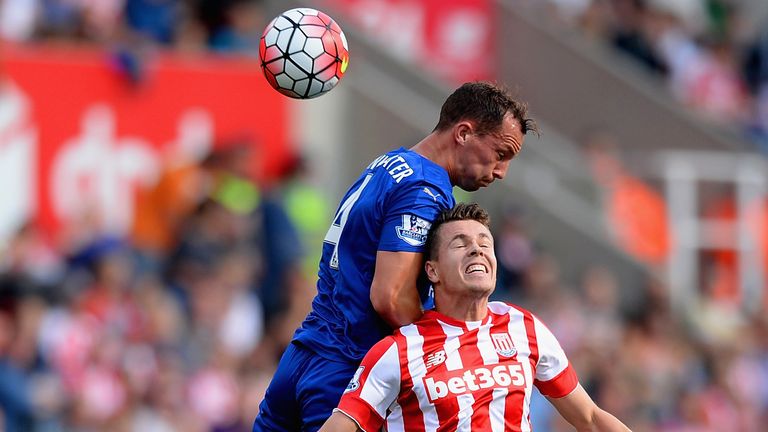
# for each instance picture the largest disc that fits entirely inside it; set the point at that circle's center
(464, 308)
(433, 147)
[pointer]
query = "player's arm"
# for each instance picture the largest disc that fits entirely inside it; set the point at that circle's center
(339, 422)
(578, 409)
(556, 379)
(394, 295)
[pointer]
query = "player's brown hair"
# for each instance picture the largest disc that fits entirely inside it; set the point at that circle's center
(462, 211)
(485, 104)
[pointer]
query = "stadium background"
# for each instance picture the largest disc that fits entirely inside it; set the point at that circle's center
(163, 209)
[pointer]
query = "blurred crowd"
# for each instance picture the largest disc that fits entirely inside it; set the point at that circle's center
(713, 54)
(185, 25)
(655, 370)
(704, 369)
(176, 326)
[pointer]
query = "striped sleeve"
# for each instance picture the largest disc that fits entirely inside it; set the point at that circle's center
(555, 377)
(374, 387)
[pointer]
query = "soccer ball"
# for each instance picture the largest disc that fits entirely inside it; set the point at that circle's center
(303, 53)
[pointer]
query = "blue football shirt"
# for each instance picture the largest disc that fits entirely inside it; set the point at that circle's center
(389, 208)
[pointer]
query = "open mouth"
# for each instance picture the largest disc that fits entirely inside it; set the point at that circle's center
(476, 268)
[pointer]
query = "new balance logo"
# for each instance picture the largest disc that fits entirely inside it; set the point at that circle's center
(435, 359)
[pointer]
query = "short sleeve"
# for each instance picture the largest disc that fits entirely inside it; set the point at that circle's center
(555, 377)
(374, 387)
(409, 214)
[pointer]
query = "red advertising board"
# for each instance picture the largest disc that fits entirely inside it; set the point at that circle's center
(453, 38)
(75, 131)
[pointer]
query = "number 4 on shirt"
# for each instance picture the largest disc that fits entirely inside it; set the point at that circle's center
(334, 232)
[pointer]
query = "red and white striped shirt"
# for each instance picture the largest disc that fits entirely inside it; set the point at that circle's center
(441, 374)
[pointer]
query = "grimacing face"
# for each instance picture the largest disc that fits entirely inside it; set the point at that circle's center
(465, 261)
(486, 157)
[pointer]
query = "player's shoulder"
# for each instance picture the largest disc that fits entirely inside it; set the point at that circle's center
(384, 344)
(379, 350)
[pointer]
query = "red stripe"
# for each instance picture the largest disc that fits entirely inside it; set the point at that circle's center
(413, 419)
(533, 343)
(561, 385)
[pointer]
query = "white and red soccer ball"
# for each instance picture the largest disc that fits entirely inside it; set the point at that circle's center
(303, 53)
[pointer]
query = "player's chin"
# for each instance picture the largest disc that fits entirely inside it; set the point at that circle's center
(481, 287)
(474, 186)
(484, 182)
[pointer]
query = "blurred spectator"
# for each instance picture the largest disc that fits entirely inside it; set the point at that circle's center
(232, 25)
(307, 206)
(756, 75)
(15, 399)
(17, 19)
(636, 213)
(514, 253)
(629, 34)
(182, 186)
(154, 20)
(30, 256)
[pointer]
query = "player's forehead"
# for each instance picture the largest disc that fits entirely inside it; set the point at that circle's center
(507, 137)
(462, 229)
(510, 134)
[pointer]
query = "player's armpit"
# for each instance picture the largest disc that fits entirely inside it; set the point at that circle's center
(393, 292)
(340, 422)
(578, 409)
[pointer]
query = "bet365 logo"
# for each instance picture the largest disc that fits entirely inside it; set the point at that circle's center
(458, 383)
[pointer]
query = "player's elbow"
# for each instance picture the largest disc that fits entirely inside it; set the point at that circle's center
(395, 307)
(384, 303)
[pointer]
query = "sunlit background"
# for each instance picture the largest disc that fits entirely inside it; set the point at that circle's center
(162, 209)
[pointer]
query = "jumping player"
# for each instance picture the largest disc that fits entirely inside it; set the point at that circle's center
(373, 251)
(467, 365)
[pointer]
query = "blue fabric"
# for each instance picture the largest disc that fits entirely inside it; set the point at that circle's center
(15, 400)
(390, 208)
(303, 393)
(154, 18)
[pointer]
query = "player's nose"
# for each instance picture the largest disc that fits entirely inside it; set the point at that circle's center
(476, 249)
(500, 170)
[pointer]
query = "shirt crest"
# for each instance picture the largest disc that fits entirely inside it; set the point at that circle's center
(503, 344)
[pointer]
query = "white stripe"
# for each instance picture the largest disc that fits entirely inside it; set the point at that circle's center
(520, 340)
(552, 359)
(395, 418)
(496, 409)
(485, 345)
(499, 308)
(383, 379)
(465, 412)
(417, 369)
(453, 359)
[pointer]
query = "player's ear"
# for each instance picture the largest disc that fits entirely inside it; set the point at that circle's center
(461, 131)
(431, 270)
